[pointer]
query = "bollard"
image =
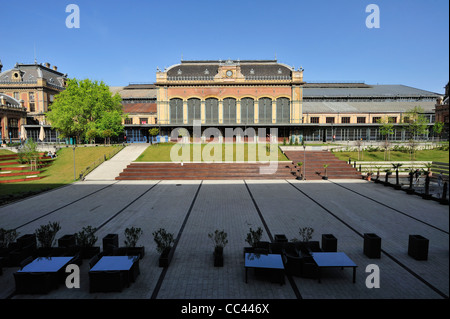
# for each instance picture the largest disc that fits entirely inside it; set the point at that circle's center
(444, 200)
(427, 188)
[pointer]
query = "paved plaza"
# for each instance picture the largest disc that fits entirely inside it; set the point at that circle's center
(192, 209)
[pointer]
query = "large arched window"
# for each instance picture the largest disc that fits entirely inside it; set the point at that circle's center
(229, 111)
(265, 110)
(283, 110)
(194, 110)
(211, 111)
(176, 111)
(247, 111)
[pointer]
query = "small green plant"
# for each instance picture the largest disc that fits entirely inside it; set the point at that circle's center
(28, 152)
(46, 234)
(219, 238)
(306, 233)
(254, 236)
(132, 236)
(163, 239)
(7, 236)
(325, 166)
(86, 237)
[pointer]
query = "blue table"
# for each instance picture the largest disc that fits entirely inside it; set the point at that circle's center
(112, 273)
(264, 261)
(333, 260)
(47, 264)
(111, 263)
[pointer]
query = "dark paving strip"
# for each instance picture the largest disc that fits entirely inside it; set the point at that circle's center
(442, 294)
(164, 271)
(129, 204)
(59, 208)
(394, 209)
(290, 279)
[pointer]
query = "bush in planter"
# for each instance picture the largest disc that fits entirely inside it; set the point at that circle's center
(7, 236)
(254, 237)
(164, 242)
(46, 234)
(86, 240)
(132, 236)
(219, 238)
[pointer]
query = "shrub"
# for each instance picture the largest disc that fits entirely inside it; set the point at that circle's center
(163, 239)
(86, 237)
(132, 236)
(7, 236)
(254, 236)
(46, 234)
(219, 238)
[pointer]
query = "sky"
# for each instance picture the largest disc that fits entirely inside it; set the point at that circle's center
(122, 42)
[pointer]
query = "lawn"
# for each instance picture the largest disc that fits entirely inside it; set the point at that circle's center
(59, 173)
(434, 155)
(229, 152)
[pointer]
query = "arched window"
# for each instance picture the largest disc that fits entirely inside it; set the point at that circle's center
(265, 110)
(283, 110)
(212, 111)
(229, 111)
(247, 111)
(176, 111)
(194, 110)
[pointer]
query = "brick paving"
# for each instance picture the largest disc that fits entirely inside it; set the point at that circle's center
(345, 208)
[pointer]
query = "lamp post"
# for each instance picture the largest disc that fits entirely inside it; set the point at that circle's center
(74, 170)
(304, 158)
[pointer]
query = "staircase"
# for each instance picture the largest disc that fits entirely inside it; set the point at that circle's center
(11, 171)
(205, 171)
(314, 161)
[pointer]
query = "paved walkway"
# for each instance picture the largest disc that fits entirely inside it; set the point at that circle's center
(109, 170)
(192, 209)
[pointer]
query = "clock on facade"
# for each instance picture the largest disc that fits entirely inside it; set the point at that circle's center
(229, 73)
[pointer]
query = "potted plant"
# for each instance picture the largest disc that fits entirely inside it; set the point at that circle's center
(300, 175)
(219, 238)
(377, 180)
(45, 236)
(7, 239)
(253, 238)
(326, 175)
(396, 167)
(132, 236)
(164, 242)
(86, 240)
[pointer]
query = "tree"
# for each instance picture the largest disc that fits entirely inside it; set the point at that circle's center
(386, 129)
(110, 125)
(416, 124)
(153, 132)
(437, 128)
(82, 106)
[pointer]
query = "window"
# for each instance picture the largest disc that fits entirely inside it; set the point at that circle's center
(176, 111)
(265, 110)
(247, 111)
(283, 110)
(375, 119)
(16, 95)
(314, 120)
(212, 111)
(128, 121)
(345, 120)
(330, 120)
(229, 111)
(194, 110)
(360, 119)
(393, 119)
(143, 120)
(31, 102)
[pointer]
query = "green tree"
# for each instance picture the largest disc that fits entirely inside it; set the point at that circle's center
(110, 125)
(386, 129)
(416, 123)
(437, 128)
(81, 104)
(153, 132)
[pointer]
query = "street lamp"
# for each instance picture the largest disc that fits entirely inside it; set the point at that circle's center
(304, 158)
(74, 170)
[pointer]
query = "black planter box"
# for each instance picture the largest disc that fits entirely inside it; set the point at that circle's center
(372, 245)
(27, 240)
(329, 243)
(67, 241)
(280, 238)
(218, 257)
(110, 241)
(165, 257)
(131, 251)
(418, 247)
(89, 252)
